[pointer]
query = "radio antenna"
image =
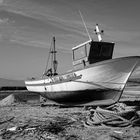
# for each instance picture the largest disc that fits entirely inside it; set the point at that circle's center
(85, 25)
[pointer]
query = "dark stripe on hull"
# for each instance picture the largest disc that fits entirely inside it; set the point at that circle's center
(97, 97)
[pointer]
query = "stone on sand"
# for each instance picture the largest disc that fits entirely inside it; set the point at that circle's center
(8, 100)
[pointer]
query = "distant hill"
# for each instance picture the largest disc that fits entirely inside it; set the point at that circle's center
(9, 83)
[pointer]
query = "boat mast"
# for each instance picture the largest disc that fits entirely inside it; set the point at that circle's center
(54, 61)
(52, 53)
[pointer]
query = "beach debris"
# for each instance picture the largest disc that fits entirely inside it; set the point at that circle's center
(119, 132)
(38, 129)
(6, 119)
(116, 137)
(42, 99)
(12, 128)
(29, 129)
(117, 115)
(72, 137)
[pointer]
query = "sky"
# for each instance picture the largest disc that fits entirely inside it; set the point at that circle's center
(27, 28)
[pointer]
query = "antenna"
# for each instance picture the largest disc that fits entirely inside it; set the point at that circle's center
(98, 32)
(84, 24)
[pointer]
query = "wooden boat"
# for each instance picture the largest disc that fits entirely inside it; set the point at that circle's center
(96, 78)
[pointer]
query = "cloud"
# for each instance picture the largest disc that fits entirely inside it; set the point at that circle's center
(30, 43)
(19, 12)
(1, 1)
(38, 44)
(45, 15)
(41, 18)
(5, 20)
(0, 36)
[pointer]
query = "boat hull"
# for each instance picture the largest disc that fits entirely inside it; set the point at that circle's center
(94, 97)
(102, 83)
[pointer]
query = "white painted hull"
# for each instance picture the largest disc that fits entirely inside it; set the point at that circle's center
(101, 83)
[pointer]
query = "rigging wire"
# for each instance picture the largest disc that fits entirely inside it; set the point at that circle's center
(46, 68)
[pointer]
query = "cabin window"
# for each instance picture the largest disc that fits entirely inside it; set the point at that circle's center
(97, 51)
(101, 50)
(79, 53)
(106, 51)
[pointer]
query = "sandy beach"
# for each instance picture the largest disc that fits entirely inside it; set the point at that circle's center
(31, 121)
(82, 54)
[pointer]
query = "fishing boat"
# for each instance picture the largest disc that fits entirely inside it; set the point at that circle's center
(96, 77)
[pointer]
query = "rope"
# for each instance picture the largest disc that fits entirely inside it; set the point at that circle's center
(118, 115)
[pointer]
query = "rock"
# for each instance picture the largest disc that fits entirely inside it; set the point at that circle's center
(8, 100)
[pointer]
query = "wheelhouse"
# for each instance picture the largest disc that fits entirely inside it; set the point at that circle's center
(91, 52)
